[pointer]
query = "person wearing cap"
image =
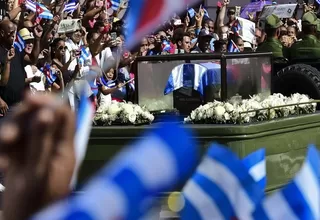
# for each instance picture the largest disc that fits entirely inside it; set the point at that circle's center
(272, 43)
(231, 16)
(31, 79)
(204, 42)
(309, 46)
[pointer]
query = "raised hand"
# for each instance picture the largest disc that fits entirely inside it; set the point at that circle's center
(38, 30)
(11, 53)
(37, 144)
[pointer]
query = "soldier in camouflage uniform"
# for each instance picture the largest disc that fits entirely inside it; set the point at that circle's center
(309, 46)
(272, 43)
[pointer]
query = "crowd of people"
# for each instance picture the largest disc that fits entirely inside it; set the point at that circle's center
(36, 55)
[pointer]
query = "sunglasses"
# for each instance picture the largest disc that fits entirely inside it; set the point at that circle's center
(62, 48)
(144, 45)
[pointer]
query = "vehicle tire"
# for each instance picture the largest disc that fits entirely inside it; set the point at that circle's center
(298, 78)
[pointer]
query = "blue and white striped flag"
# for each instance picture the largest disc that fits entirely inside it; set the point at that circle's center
(127, 188)
(256, 165)
(221, 188)
(115, 4)
(19, 43)
(85, 55)
(300, 199)
(84, 122)
(71, 6)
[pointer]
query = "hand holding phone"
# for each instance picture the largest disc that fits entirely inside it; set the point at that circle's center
(113, 35)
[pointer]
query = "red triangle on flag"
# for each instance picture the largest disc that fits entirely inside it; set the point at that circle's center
(39, 10)
(109, 4)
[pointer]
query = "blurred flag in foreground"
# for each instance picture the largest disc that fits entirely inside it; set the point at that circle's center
(300, 199)
(221, 188)
(84, 122)
(256, 165)
(127, 187)
(144, 16)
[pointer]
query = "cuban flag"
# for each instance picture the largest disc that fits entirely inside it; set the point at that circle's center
(40, 9)
(256, 165)
(191, 13)
(145, 16)
(166, 46)
(84, 122)
(221, 188)
(206, 14)
(196, 76)
(232, 47)
(115, 5)
(300, 199)
(71, 6)
(19, 43)
(236, 27)
(85, 55)
(127, 188)
(50, 75)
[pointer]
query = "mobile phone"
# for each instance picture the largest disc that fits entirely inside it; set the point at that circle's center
(113, 35)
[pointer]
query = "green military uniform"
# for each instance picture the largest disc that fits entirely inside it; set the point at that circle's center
(272, 44)
(309, 46)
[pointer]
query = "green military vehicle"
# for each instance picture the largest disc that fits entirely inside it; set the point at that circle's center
(245, 74)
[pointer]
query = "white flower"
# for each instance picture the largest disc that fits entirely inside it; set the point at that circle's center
(105, 117)
(128, 109)
(229, 107)
(114, 109)
(132, 118)
(219, 111)
(209, 113)
(193, 115)
(200, 115)
(227, 116)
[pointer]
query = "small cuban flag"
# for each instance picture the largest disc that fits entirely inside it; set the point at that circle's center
(40, 9)
(19, 43)
(232, 47)
(50, 75)
(115, 5)
(221, 188)
(236, 27)
(71, 6)
(300, 199)
(85, 55)
(191, 12)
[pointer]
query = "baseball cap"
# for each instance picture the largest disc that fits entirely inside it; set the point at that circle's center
(232, 10)
(310, 18)
(26, 34)
(273, 21)
(205, 33)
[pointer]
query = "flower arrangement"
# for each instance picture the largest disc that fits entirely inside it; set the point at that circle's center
(122, 113)
(257, 108)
